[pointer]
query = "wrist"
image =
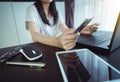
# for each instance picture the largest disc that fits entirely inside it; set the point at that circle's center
(58, 43)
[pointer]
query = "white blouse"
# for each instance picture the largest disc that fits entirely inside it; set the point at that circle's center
(53, 30)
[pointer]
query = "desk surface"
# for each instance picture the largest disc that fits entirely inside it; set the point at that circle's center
(51, 73)
(26, 74)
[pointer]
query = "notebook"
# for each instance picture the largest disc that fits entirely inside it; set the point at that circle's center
(103, 40)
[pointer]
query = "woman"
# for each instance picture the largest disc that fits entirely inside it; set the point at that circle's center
(47, 27)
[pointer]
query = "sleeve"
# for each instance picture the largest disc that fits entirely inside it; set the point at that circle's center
(30, 14)
(60, 19)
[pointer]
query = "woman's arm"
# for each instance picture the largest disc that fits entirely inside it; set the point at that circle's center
(39, 37)
(66, 41)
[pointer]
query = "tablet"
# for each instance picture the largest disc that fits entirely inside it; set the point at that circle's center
(82, 65)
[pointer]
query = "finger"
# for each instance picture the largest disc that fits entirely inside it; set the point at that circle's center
(95, 27)
(72, 36)
(92, 29)
(69, 31)
(66, 42)
(69, 46)
(96, 24)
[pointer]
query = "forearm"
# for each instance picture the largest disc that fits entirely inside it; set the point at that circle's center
(52, 41)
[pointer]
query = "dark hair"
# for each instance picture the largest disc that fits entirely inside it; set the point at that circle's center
(52, 9)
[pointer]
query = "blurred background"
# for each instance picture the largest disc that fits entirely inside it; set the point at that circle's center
(13, 13)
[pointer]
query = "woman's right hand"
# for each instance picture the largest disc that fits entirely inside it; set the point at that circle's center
(68, 39)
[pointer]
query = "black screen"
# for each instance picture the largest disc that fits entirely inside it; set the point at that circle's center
(84, 66)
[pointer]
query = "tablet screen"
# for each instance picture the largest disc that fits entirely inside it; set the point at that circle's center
(82, 65)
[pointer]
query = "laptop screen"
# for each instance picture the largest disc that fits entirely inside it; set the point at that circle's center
(115, 42)
(82, 65)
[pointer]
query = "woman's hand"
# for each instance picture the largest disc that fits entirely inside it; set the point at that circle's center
(68, 39)
(90, 29)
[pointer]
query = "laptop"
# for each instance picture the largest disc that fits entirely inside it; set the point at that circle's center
(103, 40)
(82, 65)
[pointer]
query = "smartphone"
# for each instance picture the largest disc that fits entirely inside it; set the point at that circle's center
(84, 24)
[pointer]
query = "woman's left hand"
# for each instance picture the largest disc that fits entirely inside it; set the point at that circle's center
(90, 29)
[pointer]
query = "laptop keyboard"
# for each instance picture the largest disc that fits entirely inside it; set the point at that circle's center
(95, 39)
(100, 42)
